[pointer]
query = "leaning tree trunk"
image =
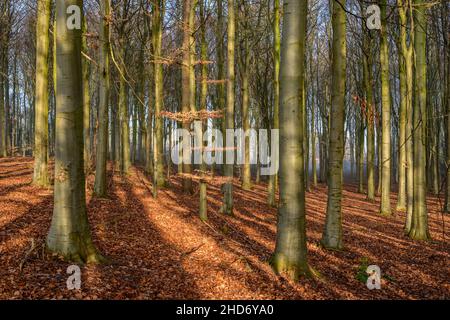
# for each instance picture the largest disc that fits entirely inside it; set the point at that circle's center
(40, 174)
(69, 233)
(332, 234)
(385, 206)
(290, 254)
(227, 207)
(102, 133)
(419, 222)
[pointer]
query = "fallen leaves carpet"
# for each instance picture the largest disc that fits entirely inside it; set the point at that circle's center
(159, 248)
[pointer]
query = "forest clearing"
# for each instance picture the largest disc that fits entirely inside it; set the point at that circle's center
(224, 149)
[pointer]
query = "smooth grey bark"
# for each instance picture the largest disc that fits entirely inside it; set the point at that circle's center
(227, 207)
(69, 233)
(290, 256)
(40, 173)
(385, 206)
(419, 222)
(332, 234)
(102, 134)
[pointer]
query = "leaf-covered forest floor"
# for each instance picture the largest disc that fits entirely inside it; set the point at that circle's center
(159, 249)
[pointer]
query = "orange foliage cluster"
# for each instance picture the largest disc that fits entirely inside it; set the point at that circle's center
(364, 107)
(192, 115)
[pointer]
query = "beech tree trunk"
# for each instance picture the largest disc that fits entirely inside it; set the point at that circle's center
(69, 233)
(102, 133)
(290, 256)
(40, 173)
(332, 234)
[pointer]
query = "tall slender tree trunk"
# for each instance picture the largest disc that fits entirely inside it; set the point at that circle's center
(445, 21)
(402, 167)
(69, 233)
(419, 222)
(220, 56)
(305, 134)
(186, 91)
(86, 103)
(6, 124)
(244, 66)
(315, 102)
(385, 206)
(406, 93)
(361, 152)
(332, 234)
(276, 92)
(158, 156)
(104, 85)
(370, 126)
(227, 207)
(40, 173)
(290, 256)
(149, 127)
(2, 110)
(203, 207)
(124, 115)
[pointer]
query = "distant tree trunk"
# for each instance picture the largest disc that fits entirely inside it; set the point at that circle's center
(407, 54)
(203, 207)
(220, 56)
(361, 152)
(124, 104)
(445, 13)
(276, 92)
(290, 254)
(332, 234)
(124, 116)
(370, 126)
(158, 156)
(246, 175)
(102, 133)
(401, 201)
(385, 207)
(134, 124)
(2, 111)
(86, 103)
(315, 102)
(227, 207)
(434, 134)
(40, 174)
(149, 136)
(419, 223)
(305, 134)
(244, 66)
(141, 98)
(69, 233)
(7, 31)
(188, 95)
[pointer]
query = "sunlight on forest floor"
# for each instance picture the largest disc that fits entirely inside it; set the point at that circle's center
(161, 250)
